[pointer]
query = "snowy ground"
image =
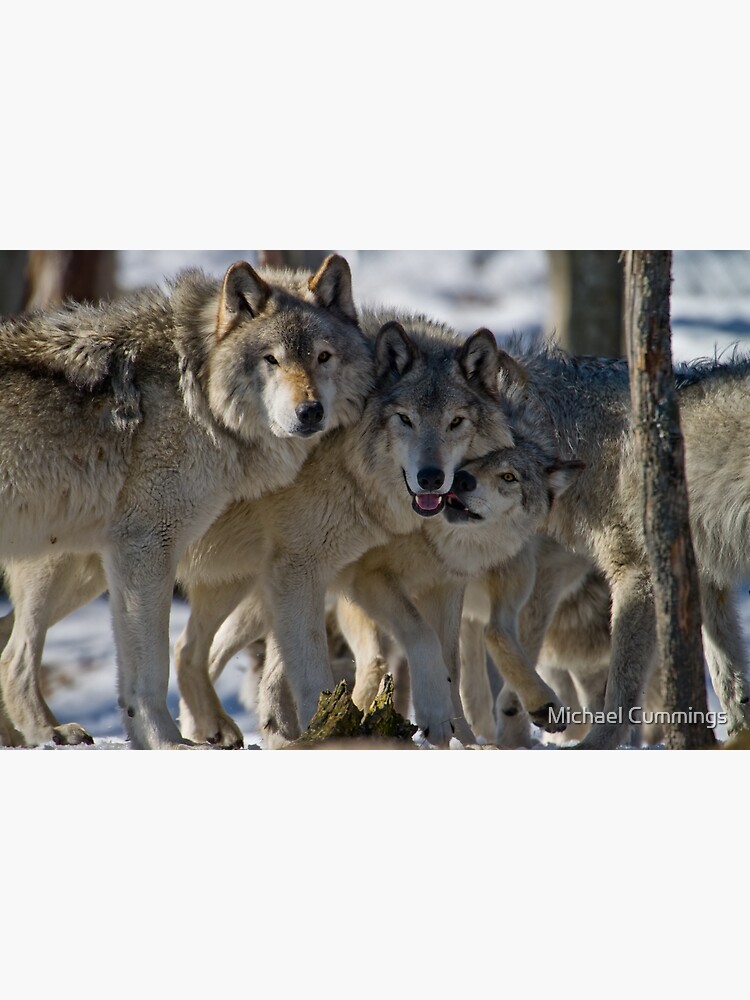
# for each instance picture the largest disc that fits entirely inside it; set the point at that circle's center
(504, 290)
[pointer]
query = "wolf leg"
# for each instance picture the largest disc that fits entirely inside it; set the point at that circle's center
(375, 655)
(558, 572)
(43, 592)
(201, 714)
(633, 648)
(442, 608)
(9, 735)
(296, 599)
(141, 575)
(382, 598)
(513, 723)
(537, 697)
(240, 630)
(366, 643)
(277, 711)
(476, 695)
(510, 588)
(725, 654)
(563, 684)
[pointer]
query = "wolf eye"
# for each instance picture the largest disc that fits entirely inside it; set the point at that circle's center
(404, 419)
(323, 357)
(455, 422)
(509, 477)
(270, 359)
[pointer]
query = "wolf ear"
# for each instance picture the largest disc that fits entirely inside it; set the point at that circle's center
(394, 351)
(332, 286)
(561, 475)
(243, 291)
(511, 369)
(478, 360)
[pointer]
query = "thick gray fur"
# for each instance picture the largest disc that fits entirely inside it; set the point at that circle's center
(128, 428)
(588, 402)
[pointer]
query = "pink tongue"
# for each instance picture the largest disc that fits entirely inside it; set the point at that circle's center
(428, 501)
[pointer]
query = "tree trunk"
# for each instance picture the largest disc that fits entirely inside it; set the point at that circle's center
(587, 298)
(12, 281)
(310, 260)
(56, 275)
(660, 446)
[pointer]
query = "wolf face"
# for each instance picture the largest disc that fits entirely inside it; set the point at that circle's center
(520, 482)
(287, 357)
(435, 404)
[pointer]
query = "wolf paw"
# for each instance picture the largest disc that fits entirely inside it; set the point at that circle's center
(274, 740)
(10, 736)
(439, 734)
(222, 733)
(515, 737)
(738, 717)
(602, 736)
(463, 732)
(71, 735)
(513, 723)
(541, 717)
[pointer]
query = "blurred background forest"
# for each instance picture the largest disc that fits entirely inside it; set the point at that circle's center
(577, 294)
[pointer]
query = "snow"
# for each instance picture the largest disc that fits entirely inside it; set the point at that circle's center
(504, 290)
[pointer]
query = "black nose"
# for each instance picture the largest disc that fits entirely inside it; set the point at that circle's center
(464, 482)
(430, 478)
(309, 414)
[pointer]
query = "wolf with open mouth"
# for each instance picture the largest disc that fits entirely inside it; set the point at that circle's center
(435, 421)
(486, 539)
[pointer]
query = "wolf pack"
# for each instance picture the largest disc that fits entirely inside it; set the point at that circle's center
(284, 455)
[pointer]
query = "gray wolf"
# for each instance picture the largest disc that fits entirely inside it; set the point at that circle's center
(412, 587)
(588, 403)
(498, 501)
(499, 504)
(127, 429)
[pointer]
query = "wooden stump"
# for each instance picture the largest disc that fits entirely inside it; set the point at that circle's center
(339, 723)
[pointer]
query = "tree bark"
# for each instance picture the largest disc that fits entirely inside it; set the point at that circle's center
(587, 300)
(56, 275)
(12, 281)
(338, 720)
(660, 446)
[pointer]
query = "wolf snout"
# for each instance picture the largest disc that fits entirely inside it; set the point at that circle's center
(310, 414)
(464, 482)
(430, 479)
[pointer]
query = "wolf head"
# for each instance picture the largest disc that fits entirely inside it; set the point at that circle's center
(511, 486)
(283, 351)
(439, 403)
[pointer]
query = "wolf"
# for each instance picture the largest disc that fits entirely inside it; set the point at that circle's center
(434, 397)
(128, 428)
(588, 402)
(412, 586)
